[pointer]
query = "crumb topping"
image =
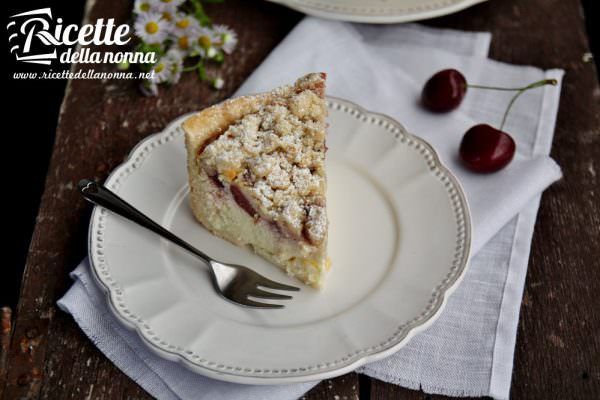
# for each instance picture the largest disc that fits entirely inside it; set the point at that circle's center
(276, 156)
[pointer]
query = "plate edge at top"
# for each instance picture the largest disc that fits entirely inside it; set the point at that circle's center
(401, 15)
(391, 345)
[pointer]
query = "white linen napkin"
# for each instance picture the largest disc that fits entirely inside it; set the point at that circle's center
(469, 349)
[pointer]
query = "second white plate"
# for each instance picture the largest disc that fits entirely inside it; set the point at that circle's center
(399, 241)
(378, 11)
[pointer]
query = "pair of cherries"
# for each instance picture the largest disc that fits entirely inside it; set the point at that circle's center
(483, 148)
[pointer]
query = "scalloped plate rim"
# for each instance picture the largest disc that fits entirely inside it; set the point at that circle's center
(240, 377)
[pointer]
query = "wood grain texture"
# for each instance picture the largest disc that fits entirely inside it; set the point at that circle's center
(99, 123)
(5, 334)
(558, 344)
(345, 387)
(384, 391)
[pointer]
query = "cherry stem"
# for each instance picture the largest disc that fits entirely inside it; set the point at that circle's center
(519, 90)
(522, 90)
(535, 84)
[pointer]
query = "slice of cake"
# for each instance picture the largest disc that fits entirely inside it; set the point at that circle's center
(256, 168)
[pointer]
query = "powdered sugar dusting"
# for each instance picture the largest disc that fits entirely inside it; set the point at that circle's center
(276, 156)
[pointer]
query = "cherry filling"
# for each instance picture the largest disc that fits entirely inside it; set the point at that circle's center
(306, 234)
(215, 180)
(317, 87)
(278, 229)
(242, 201)
(207, 142)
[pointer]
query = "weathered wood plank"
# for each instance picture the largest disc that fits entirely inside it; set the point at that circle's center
(560, 327)
(345, 387)
(99, 124)
(385, 391)
(558, 343)
(5, 334)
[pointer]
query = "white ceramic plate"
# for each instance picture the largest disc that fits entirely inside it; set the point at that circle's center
(399, 241)
(378, 11)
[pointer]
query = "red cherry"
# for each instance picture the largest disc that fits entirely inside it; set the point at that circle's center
(486, 149)
(444, 91)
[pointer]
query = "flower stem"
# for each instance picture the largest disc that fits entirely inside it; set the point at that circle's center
(193, 67)
(202, 72)
(522, 90)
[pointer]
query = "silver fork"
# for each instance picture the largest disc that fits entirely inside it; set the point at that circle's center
(235, 283)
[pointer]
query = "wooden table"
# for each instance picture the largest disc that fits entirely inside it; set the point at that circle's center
(558, 345)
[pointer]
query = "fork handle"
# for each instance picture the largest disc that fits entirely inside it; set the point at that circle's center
(102, 196)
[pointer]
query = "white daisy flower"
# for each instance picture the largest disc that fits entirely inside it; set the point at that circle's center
(185, 23)
(205, 43)
(184, 40)
(176, 59)
(176, 67)
(175, 55)
(167, 15)
(227, 38)
(161, 71)
(169, 68)
(144, 6)
(206, 39)
(149, 88)
(151, 28)
(169, 5)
